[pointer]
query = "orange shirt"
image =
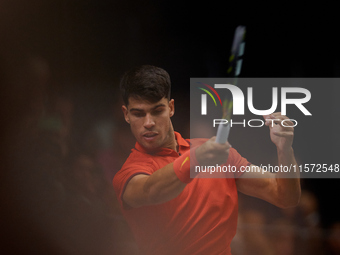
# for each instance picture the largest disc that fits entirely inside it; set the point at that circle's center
(202, 219)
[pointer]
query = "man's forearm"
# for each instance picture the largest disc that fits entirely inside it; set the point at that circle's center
(163, 185)
(288, 183)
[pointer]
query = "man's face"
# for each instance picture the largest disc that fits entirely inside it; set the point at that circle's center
(150, 122)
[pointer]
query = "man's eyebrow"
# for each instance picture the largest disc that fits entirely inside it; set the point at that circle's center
(153, 108)
(159, 105)
(136, 110)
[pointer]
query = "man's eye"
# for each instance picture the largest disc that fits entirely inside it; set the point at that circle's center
(138, 114)
(157, 112)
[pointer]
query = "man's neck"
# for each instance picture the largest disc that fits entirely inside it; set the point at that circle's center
(171, 141)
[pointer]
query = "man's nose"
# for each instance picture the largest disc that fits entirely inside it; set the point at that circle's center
(149, 122)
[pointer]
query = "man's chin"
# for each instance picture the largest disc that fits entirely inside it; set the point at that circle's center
(150, 146)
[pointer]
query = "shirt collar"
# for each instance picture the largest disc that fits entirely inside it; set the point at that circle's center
(182, 144)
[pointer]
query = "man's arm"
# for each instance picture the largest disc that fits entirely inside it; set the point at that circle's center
(281, 189)
(164, 184)
(159, 187)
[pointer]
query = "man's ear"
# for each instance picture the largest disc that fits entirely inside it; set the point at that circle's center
(125, 111)
(172, 107)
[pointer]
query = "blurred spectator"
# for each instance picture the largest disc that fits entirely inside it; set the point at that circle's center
(253, 231)
(311, 234)
(265, 229)
(309, 207)
(333, 239)
(283, 235)
(114, 141)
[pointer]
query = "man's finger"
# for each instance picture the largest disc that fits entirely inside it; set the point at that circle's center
(284, 133)
(281, 122)
(275, 115)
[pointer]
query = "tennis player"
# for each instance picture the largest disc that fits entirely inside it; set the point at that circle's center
(169, 212)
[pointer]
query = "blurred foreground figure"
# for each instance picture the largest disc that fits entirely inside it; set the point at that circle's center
(49, 205)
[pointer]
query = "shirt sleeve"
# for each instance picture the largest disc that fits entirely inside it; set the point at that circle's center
(130, 169)
(235, 159)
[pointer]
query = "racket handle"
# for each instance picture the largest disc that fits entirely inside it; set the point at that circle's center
(222, 133)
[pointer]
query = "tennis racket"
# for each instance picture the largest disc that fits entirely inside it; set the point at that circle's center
(234, 70)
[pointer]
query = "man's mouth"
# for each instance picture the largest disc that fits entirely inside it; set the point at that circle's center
(149, 135)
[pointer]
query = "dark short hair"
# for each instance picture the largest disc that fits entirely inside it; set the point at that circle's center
(145, 82)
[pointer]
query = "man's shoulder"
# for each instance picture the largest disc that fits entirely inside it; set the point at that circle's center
(136, 159)
(137, 156)
(137, 162)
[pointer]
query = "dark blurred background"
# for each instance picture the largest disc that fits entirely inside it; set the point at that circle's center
(63, 134)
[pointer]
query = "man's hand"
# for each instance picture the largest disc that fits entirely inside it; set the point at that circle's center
(281, 135)
(212, 153)
(282, 188)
